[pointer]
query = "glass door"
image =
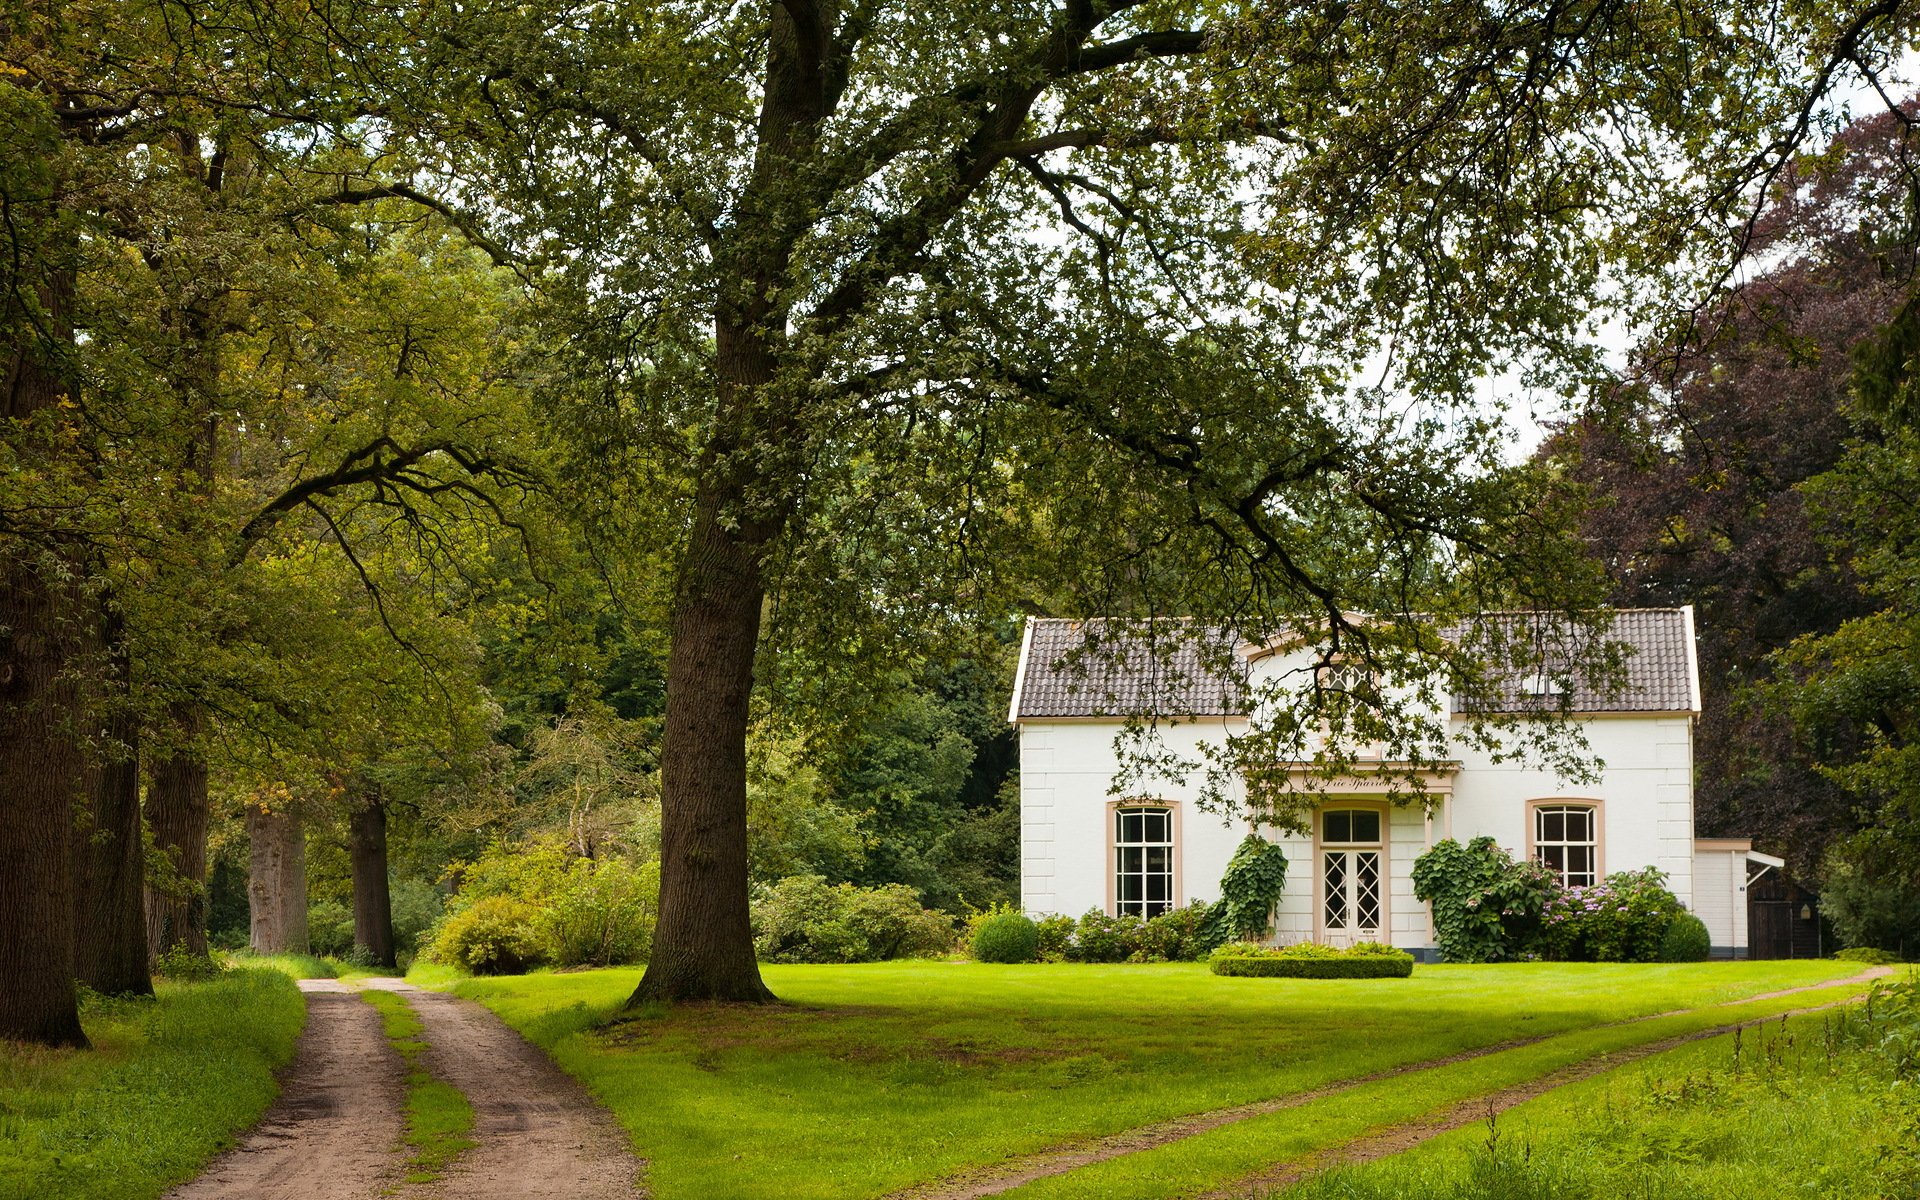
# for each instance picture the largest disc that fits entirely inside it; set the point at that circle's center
(1351, 889)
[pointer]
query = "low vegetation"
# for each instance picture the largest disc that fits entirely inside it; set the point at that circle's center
(891, 1074)
(1832, 1094)
(439, 1118)
(1309, 960)
(525, 905)
(805, 919)
(170, 1082)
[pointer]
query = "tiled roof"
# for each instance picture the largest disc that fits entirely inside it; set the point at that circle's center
(1658, 668)
(1119, 669)
(1103, 668)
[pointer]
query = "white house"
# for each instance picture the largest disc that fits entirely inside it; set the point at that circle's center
(1084, 847)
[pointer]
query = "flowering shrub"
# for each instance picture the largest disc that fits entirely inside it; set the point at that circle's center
(1055, 937)
(1623, 918)
(1487, 906)
(1104, 939)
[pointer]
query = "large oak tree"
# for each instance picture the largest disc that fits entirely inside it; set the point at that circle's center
(904, 310)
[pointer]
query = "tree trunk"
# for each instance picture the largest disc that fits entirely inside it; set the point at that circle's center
(177, 811)
(703, 944)
(43, 769)
(372, 905)
(277, 881)
(109, 860)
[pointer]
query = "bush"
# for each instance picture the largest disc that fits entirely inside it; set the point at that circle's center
(1305, 960)
(1873, 956)
(329, 928)
(1005, 936)
(494, 935)
(1249, 889)
(1871, 902)
(601, 914)
(1104, 939)
(1055, 937)
(1624, 918)
(804, 919)
(182, 964)
(1686, 940)
(1487, 906)
(1178, 935)
(417, 905)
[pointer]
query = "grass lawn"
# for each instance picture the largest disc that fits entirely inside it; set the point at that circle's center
(169, 1083)
(871, 1078)
(1802, 1109)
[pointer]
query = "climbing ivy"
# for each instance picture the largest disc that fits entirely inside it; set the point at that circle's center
(1249, 890)
(1486, 906)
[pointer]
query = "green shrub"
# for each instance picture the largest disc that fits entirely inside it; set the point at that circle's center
(180, 963)
(417, 905)
(1871, 901)
(1306, 960)
(1177, 935)
(1623, 918)
(1873, 956)
(804, 919)
(1686, 940)
(1100, 938)
(1055, 937)
(601, 913)
(1005, 937)
(1487, 906)
(329, 928)
(1249, 889)
(494, 935)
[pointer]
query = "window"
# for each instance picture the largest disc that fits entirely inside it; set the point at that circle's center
(1350, 826)
(1566, 839)
(1143, 861)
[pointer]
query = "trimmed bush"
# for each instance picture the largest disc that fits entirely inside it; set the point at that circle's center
(1363, 960)
(1686, 940)
(1005, 937)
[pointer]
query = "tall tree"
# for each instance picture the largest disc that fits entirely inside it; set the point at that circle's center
(907, 309)
(1696, 470)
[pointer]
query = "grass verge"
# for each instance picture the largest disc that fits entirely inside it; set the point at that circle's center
(889, 1074)
(438, 1116)
(169, 1083)
(296, 966)
(1821, 1105)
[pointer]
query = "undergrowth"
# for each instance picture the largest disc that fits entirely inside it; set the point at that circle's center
(170, 1082)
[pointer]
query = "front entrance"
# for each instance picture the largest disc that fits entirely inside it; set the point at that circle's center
(1352, 892)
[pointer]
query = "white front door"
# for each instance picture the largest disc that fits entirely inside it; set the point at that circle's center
(1352, 897)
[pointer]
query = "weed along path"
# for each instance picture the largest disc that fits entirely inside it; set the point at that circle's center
(334, 1132)
(537, 1134)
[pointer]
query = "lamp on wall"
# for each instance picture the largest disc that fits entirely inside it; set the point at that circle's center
(1806, 912)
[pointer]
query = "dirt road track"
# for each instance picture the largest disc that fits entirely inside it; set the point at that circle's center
(541, 1136)
(334, 1133)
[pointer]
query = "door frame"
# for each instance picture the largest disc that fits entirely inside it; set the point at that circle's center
(1319, 865)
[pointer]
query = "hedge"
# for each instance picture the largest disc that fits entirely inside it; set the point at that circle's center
(1307, 961)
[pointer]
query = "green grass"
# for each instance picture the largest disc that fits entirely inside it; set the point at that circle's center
(169, 1083)
(1797, 1110)
(438, 1116)
(875, 1077)
(297, 966)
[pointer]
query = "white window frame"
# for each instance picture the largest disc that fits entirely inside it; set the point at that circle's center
(1538, 845)
(1170, 826)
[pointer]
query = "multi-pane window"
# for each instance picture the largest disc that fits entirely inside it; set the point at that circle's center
(1143, 861)
(1350, 872)
(1566, 839)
